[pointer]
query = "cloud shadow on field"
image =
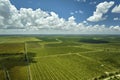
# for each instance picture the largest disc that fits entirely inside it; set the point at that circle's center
(93, 41)
(10, 61)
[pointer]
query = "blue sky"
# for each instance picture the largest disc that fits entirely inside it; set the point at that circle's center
(61, 7)
(78, 14)
(65, 8)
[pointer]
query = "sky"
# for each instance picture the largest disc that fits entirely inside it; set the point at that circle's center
(60, 17)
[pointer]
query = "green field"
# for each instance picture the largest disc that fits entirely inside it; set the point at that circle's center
(60, 57)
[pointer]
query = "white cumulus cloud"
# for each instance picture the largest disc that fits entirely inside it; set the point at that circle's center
(116, 9)
(116, 28)
(77, 12)
(101, 9)
(80, 0)
(28, 19)
(116, 19)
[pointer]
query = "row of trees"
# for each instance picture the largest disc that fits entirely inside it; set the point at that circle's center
(110, 75)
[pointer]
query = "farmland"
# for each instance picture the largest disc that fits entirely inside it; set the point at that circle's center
(59, 57)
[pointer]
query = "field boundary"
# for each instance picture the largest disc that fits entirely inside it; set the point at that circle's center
(27, 60)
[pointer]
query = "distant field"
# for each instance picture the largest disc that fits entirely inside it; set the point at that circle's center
(16, 39)
(11, 48)
(59, 57)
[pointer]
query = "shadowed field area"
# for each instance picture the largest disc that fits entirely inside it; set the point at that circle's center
(97, 41)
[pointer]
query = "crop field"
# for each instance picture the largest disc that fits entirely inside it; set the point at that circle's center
(58, 57)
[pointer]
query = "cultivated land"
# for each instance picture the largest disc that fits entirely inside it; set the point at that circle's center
(60, 57)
